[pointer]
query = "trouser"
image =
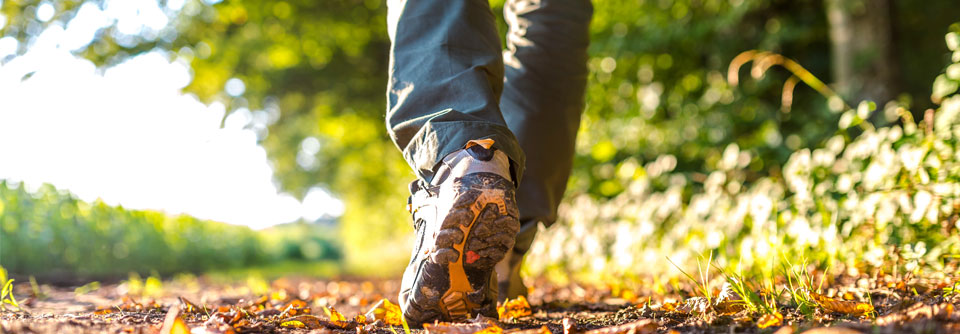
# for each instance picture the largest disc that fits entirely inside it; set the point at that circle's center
(451, 82)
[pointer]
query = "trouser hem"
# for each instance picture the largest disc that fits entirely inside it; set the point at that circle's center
(435, 140)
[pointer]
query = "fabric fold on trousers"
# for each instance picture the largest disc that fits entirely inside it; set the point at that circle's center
(446, 78)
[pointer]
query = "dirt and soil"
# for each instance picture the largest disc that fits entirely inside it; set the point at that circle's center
(292, 305)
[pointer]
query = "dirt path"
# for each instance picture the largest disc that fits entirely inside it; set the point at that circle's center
(292, 305)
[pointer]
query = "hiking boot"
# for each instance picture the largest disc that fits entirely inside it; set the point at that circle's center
(466, 221)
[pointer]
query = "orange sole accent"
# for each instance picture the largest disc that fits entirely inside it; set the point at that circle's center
(486, 143)
(454, 301)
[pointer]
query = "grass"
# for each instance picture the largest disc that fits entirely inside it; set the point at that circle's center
(799, 286)
(744, 290)
(702, 285)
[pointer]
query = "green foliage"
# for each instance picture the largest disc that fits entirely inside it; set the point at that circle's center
(854, 202)
(48, 233)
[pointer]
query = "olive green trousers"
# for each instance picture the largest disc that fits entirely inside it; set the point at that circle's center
(451, 81)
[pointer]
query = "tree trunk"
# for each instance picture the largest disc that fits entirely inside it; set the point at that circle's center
(864, 61)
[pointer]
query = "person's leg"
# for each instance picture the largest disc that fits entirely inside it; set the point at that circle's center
(546, 74)
(446, 77)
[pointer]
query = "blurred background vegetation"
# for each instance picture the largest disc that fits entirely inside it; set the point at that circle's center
(659, 108)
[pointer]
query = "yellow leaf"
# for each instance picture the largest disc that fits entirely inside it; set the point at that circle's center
(769, 320)
(104, 310)
(179, 327)
(514, 308)
(841, 306)
(173, 323)
(360, 319)
(629, 296)
(493, 329)
(301, 321)
(388, 312)
(293, 324)
(336, 318)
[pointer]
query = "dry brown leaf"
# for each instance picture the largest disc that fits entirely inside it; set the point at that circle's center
(514, 308)
(642, 326)
(190, 307)
(456, 328)
(541, 330)
(694, 305)
(105, 310)
(127, 304)
(942, 311)
(295, 307)
(770, 320)
(729, 307)
(668, 307)
(841, 306)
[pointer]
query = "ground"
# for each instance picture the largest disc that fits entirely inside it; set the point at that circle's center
(298, 305)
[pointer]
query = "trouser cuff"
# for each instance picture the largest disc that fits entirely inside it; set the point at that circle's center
(436, 140)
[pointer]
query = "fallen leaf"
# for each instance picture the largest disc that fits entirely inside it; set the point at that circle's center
(105, 310)
(541, 330)
(841, 306)
(455, 328)
(295, 307)
(832, 330)
(388, 312)
(360, 319)
(629, 296)
(642, 326)
(570, 326)
(293, 324)
(190, 307)
(336, 318)
(694, 305)
(729, 307)
(173, 323)
(770, 320)
(942, 311)
(492, 329)
(301, 321)
(514, 308)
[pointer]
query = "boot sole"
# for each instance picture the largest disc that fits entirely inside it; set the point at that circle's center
(479, 230)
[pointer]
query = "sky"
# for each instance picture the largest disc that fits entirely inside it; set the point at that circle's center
(128, 135)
